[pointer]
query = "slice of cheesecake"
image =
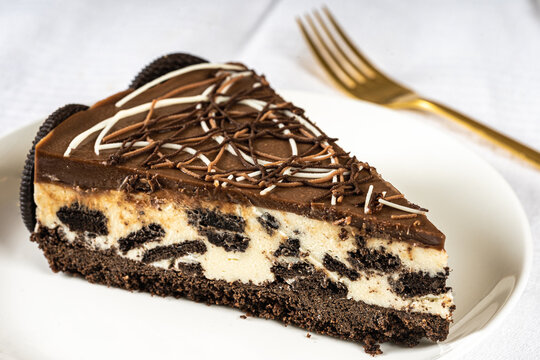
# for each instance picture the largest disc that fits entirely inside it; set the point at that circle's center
(201, 182)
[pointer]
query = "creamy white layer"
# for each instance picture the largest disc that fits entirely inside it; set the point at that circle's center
(127, 213)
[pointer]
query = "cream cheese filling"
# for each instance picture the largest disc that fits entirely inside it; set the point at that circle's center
(127, 213)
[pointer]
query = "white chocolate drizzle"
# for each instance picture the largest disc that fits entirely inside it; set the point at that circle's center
(401, 207)
(368, 199)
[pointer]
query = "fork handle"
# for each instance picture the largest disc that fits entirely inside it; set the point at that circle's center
(523, 151)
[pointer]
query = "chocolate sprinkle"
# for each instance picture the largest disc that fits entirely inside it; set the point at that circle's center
(140, 183)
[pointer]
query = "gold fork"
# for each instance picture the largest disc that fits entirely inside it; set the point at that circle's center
(347, 66)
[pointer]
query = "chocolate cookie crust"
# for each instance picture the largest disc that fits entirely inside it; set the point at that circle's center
(356, 321)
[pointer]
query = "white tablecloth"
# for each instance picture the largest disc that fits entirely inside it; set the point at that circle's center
(481, 57)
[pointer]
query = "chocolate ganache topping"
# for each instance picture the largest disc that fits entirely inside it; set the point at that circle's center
(222, 128)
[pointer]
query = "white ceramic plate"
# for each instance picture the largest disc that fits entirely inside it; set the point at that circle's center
(55, 316)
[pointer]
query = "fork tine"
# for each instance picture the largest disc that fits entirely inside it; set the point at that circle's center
(350, 44)
(319, 55)
(327, 50)
(362, 74)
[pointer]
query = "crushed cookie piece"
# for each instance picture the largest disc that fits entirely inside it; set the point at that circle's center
(290, 247)
(337, 266)
(343, 234)
(79, 218)
(269, 223)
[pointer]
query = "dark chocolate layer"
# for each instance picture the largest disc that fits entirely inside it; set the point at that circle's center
(89, 170)
(314, 311)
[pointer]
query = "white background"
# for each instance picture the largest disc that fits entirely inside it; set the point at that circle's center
(481, 57)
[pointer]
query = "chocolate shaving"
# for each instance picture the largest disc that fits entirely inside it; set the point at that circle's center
(406, 216)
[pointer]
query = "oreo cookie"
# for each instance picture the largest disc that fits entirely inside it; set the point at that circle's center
(163, 65)
(26, 192)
